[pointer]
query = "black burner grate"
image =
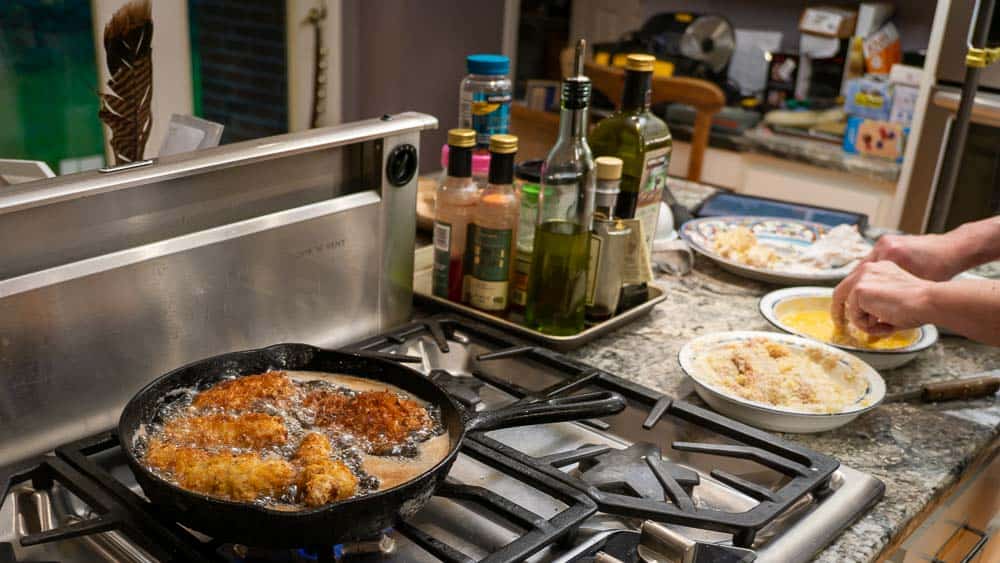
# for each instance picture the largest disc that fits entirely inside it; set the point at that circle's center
(120, 509)
(806, 472)
(117, 508)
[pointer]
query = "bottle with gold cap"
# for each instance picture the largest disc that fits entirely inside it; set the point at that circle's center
(492, 238)
(642, 140)
(454, 205)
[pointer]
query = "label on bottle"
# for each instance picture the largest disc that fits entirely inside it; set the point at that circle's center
(490, 267)
(638, 269)
(519, 279)
(442, 259)
(593, 267)
(470, 231)
(489, 114)
(651, 186)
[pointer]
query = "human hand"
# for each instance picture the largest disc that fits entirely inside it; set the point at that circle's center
(881, 298)
(931, 257)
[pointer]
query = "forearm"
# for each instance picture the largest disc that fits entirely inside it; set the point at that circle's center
(975, 243)
(968, 307)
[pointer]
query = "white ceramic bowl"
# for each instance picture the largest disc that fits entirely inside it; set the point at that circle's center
(772, 417)
(776, 304)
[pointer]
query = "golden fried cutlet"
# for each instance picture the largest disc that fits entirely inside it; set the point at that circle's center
(250, 430)
(241, 477)
(322, 479)
(380, 417)
(243, 393)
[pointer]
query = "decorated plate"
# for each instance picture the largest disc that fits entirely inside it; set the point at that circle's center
(785, 237)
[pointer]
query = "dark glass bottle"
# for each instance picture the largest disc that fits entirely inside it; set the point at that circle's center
(642, 140)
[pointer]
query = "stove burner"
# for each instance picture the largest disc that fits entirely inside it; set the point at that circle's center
(464, 389)
(637, 470)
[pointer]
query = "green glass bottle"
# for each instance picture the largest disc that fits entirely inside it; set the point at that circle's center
(557, 284)
(642, 140)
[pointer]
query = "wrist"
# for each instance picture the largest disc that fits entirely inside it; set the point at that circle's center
(927, 302)
(975, 243)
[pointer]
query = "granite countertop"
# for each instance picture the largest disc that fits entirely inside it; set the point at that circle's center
(801, 149)
(917, 450)
(820, 153)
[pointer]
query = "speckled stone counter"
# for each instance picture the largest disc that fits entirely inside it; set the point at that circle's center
(819, 153)
(916, 449)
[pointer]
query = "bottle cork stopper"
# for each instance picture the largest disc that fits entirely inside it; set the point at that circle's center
(608, 168)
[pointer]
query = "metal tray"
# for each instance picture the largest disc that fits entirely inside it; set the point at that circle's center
(422, 291)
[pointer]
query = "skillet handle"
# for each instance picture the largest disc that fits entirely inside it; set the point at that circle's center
(537, 411)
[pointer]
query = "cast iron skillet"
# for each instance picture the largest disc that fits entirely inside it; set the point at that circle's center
(352, 519)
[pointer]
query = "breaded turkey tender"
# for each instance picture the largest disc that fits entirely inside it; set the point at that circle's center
(322, 479)
(244, 393)
(241, 477)
(382, 418)
(250, 430)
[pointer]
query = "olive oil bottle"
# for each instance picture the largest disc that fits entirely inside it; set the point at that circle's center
(557, 286)
(642, 140)
(492, 238)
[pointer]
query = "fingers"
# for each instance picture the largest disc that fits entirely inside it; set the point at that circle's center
(880, 329)
(840, 295)
(853, 311)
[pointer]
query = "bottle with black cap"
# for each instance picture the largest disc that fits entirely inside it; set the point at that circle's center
(493, 233)
(454, 205)
(558, 281)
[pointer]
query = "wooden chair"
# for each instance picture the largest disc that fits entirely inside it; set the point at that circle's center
(536, 131)
(707, 99)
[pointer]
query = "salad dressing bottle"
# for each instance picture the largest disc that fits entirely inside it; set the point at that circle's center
(455, 203)
(493, 233)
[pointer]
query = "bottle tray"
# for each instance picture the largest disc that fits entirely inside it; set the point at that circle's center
(422, 294)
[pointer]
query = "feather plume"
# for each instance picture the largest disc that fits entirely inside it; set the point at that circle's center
(127, 109)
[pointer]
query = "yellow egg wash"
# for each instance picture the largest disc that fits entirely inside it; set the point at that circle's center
(818, 324)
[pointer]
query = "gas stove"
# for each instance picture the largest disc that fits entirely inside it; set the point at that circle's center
(665, 480)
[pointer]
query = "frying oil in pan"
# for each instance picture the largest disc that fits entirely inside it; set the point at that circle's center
(419, 452)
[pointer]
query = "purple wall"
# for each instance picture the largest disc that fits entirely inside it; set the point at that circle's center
(404, 55)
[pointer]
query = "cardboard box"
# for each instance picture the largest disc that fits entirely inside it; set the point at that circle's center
(871, 16)
(870, 137)
(828, 21)
(868, 97)
(882, 50)
(904, 103)
(906, 74)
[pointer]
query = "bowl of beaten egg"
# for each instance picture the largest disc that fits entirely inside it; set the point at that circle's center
(780, 381)
(805, 311)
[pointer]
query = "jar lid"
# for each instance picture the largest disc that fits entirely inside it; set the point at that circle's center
(480, 161)
(529, 171)
(530, 189)
(487, 64)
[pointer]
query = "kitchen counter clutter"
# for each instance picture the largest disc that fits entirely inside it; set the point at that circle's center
(917, 450)
(808, 151)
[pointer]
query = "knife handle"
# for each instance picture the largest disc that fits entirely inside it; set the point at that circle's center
(961, 389)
